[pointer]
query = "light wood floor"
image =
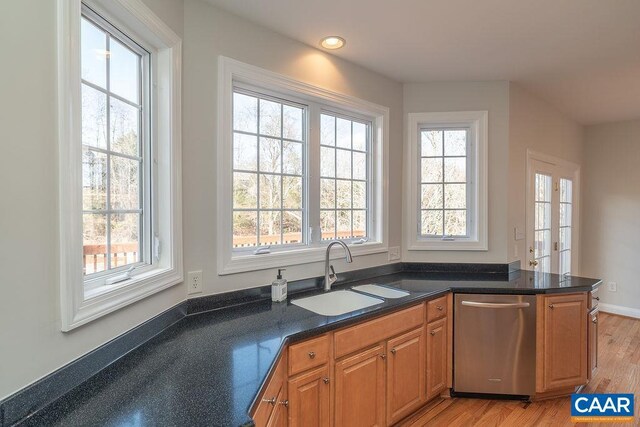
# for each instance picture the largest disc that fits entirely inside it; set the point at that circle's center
(619, 372)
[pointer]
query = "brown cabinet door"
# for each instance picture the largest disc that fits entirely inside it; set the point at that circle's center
(279, 415)
(436, 357)
(309, 397)
(593, 343)
(360, 389)
(405, 374)
(565, 341)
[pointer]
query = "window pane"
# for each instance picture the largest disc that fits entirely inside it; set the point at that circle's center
(94, 117)
(292, 122)
(245, 229)
(455, 223)
(292, 227)
(327, 130)
(359, 195)
(455, 196)
(359, 136)
(94, 241)
(359, 223)
(432, 223)
(328, 162)
(245, 152)
(93, 54)
(328, 224)
(270, 230)
(566, 190)
(292, 157)
(125, 179)
(565, 214)
(565, 238)
(94, 180)
(343, 192)
(245, 190)
(344, 224)
(455, 169)
(432, 197)
(270, 118)
(360, 166)
(270, 151)
(343, 133)
(542, 215)
(292, 192)
(432, 170)
(431, 143)
(343, 166)
(455, 142)
(270, 192)
(124, 128)
(124, 71)
(327, 193)
(125, 235)
(245, 113)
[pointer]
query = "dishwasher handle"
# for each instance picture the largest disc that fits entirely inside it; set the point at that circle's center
(496, 304)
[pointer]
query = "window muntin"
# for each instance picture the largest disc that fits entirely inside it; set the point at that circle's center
(115, 143)
(344, 177)
(269, 174)
(566, 224)
(444, 176)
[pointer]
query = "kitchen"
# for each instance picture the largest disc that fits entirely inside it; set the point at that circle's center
(499, 161)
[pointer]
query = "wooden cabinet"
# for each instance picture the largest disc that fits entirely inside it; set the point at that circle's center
(562, 341)
(437, 343)
(593, 342)
(405, 374)
(280, 413)
(360, 389)
(272, 402)
(309, 398)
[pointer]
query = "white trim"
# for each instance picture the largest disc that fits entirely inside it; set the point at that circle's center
(77, 307)
(478, 121)
(619, 310)
(230, 71)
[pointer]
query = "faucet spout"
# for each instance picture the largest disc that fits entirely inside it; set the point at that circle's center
(330, 276)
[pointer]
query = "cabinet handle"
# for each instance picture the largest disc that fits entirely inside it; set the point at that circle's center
(383, 356)
(533, 263)
(393, 351)
(271, 401)
(284, 402)
(596, 298)
(439, 308)
(312, 355)
(432, 333)
(550, 305)
(594, 320)
(326, 380)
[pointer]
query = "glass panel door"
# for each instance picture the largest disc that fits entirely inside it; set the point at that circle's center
(565, 226)
(542, 223)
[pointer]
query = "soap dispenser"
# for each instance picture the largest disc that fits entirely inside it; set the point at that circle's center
(279, 288)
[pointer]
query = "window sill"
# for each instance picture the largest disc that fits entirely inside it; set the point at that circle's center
(448, 245)
(246, 263)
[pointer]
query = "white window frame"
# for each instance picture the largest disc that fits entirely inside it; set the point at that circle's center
(80, 303)
(232, 72)
(477, 158)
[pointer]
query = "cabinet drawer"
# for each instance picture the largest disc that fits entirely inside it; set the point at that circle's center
(308, 354)
(377, 330)
(436, 309)
(594, 298)
(269, 398)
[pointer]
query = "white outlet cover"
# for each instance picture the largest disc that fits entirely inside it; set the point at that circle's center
(394, 253)
(194, 282)
(613, 287)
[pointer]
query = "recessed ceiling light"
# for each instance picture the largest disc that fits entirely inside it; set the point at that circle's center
(332, 42)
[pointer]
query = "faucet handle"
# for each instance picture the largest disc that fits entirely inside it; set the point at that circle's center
(333, 272)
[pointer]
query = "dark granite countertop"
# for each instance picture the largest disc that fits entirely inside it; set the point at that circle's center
(207, 368)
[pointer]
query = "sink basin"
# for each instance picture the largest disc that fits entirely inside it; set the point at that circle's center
(336, 303)
(380, 291)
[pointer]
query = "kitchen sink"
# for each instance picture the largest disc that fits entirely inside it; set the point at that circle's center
(380, 291)
(336, 303)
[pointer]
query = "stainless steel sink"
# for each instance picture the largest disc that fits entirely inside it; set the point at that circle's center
(336, 303)
(380, 291)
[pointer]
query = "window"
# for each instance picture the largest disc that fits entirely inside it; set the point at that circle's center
(566, 210)
(447, 173)
(298, 166)
(119, 163)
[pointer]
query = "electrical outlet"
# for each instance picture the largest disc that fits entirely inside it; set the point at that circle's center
(194, 282)
(394, 253)
(613, 287)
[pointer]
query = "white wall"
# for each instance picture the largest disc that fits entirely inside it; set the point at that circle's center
(611, 211)
(467, 96)
(32, 344)
(210, 32)
(536, 125)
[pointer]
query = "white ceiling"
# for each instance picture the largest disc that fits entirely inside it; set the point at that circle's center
(583, 56)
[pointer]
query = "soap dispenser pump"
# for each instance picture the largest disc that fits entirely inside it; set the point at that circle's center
(279, 288)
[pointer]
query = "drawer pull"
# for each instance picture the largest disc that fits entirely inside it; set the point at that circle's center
(383, 356)
(594, 320)
(432, 333)
(312, 355)
(550, 305)
(393, 351)
(284, 402)
(271, 401)
(326, 380)
(439, 307)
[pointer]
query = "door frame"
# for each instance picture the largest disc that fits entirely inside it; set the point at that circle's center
(563, 169)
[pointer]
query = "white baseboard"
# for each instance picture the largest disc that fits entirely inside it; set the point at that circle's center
(619, 309)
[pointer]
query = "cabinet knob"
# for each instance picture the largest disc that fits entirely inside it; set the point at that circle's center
(271, 401)
(439, 308)
(326, 380)
(393, 351)
(383, 356)
(596, 298)
(550, 305)
(594, 320)
(312, 355)
(432, 333)
(284, 402)
(533, 263)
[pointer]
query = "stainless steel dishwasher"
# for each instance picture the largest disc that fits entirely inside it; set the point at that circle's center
(495, 344)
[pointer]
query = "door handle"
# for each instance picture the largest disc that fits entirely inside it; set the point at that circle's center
(533, 263)
(496, 304)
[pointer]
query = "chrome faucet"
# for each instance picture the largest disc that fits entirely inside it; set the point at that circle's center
(331, 277)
